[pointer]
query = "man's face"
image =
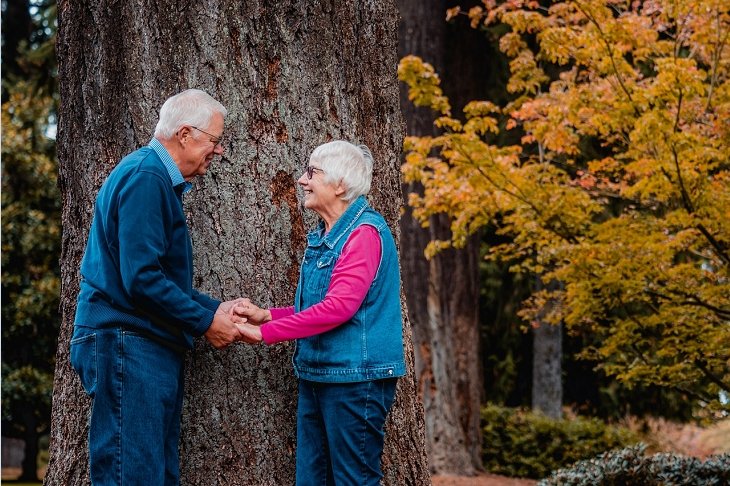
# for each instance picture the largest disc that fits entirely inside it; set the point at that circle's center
(203, 144)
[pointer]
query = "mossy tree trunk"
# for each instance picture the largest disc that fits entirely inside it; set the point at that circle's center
(293, 75)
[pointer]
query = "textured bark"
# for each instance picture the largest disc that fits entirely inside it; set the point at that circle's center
(293, 75)
(547, 386)
(547, 369)
(442, 293)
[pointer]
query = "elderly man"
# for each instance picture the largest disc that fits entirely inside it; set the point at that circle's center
(137, 312)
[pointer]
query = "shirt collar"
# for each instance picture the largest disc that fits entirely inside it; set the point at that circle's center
(172, 169)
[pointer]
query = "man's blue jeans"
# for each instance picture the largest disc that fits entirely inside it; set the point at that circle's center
(340, 432)
(137, 388)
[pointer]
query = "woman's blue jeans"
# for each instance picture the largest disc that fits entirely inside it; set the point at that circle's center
(340, 432)
(137, 389)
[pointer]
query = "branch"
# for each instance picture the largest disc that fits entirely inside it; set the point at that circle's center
(716, 63)
(696, 395)
(696, 303)
(682, 189)
(520, 197)
(679, 110)
(693, 301)
(718, 246)
(712, 376)
(611, 56)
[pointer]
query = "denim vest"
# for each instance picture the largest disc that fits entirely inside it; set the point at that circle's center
(370, 345)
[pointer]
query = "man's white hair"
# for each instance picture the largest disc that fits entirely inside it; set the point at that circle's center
(191, 107)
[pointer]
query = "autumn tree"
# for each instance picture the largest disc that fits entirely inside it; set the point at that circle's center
(618, 190)
(293, 75)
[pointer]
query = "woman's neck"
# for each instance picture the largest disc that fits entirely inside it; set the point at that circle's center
(333, 214)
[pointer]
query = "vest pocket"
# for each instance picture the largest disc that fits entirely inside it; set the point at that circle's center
(325, 260)
(316, 275)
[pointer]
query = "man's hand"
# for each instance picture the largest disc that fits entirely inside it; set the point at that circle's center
(223, 330)
(225, 307)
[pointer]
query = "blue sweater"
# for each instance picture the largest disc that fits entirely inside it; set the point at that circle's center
(137, 271)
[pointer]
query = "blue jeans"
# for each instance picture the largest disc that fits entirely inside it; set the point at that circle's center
(340, 432)
(137, 389)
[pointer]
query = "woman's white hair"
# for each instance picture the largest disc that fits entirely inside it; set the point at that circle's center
(191, 107)
(347, 163)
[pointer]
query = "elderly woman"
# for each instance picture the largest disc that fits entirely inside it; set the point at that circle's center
(346, 320)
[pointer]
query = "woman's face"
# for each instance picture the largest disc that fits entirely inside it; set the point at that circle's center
(319, 196)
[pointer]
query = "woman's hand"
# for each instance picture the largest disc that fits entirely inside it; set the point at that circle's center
(250, 334)
(253, 313)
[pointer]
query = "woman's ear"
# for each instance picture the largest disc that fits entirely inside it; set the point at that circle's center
(340, 190)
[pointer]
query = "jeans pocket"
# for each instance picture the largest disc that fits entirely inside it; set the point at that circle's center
(83, 360)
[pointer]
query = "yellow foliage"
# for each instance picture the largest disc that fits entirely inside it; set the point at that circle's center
(620, 188)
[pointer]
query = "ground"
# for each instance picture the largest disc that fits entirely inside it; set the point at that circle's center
(480, 480)
(685, 439)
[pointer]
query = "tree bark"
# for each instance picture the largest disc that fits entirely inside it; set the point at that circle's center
(547, 386)
(442, 293)
(547, 375)
(293, 75)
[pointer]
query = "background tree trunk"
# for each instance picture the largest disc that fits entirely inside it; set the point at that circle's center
(547, 369)
(29, 467)
(442, 293)
(547, 385)
(293, 75)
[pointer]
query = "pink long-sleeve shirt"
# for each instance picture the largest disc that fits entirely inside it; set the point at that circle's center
(351, 278)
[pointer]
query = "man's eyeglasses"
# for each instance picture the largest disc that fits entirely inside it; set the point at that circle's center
(310, 171)
(216, 140)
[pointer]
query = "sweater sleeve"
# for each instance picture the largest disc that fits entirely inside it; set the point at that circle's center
(144, 211)
(351, 278)
(206, 301)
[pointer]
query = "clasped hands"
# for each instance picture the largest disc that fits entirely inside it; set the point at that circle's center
(236, 320)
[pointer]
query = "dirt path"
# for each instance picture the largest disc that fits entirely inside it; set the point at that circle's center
(480, 480)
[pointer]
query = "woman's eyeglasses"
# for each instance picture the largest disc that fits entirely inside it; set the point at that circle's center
(310, 170)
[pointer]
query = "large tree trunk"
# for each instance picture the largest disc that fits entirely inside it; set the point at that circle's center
(293, 75)
(442, 293)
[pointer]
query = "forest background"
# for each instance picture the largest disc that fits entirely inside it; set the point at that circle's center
(575, 216)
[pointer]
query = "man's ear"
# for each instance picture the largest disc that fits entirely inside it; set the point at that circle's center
(184, 135)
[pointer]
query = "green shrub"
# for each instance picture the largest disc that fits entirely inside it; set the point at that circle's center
(630, 467)
(517, 442)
